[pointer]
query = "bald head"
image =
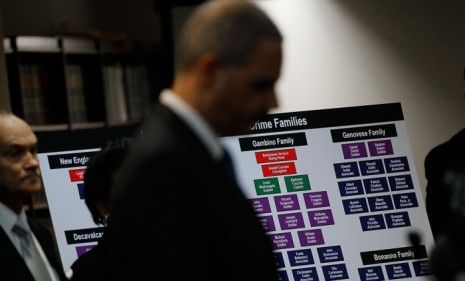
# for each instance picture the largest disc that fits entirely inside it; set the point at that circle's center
(19, 167)
(8, 119)
(230, 29)
(12, 126)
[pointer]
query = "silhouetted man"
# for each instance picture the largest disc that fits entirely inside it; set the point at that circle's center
(178, 214)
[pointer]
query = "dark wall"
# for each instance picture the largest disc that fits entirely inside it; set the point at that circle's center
(50, 17)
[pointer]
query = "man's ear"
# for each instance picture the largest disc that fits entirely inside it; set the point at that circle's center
(206, 68)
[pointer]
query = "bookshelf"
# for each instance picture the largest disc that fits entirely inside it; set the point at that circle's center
(83, 80)
(67, 83)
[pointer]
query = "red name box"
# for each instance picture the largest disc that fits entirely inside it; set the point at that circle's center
(77, 174)
(275, 155)
(278, 169)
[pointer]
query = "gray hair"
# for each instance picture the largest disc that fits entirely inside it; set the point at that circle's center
(231, 29)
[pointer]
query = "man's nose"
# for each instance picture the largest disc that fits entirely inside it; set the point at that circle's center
(31, 162)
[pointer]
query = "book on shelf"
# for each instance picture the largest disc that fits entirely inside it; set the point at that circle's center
(68, 82)
(32, 93)
(76, 96)
(115, 102)
(137, 91)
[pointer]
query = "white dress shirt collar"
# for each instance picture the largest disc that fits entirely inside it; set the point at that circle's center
(8, 218)
(195, 121)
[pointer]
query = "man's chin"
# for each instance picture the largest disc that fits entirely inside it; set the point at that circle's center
(31, 186)
(20, 194)
(31, 189)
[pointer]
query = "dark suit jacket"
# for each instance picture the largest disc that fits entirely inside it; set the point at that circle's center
(93, 265)
(12, 266)
(447, 156)
(178, 216)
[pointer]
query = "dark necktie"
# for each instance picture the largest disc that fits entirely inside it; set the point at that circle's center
(228, 167)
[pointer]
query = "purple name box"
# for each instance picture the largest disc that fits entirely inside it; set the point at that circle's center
(355, 205)
(380, 203)
(398, 271)
(80, 187)
(346, 170)
(81, 250)
(311, 237)
(396, 165)
(291, 221)
(379, 148)
(422, 268)
(321, 217)
(286, 203)
(267, 223)
(405, 200)
(376, 185)
(305, 273)
(300, 257)
(394, 220)
(354, 150)
(335, 272)
(316, 199)
(260, 205)
(374, 273)
(330, 254)
(371, 167)
(282, 240)
(373, 222)
(403, 182)
(350, 188)
(279, 260)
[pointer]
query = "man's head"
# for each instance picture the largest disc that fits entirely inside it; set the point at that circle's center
(99, 178)
(19, 166)
(228, 61)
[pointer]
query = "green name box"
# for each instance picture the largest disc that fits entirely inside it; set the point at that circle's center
(297, 183)
(267, 186)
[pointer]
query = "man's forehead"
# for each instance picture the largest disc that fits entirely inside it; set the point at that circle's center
(18, 143)
(16, 140)
(14, 131)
